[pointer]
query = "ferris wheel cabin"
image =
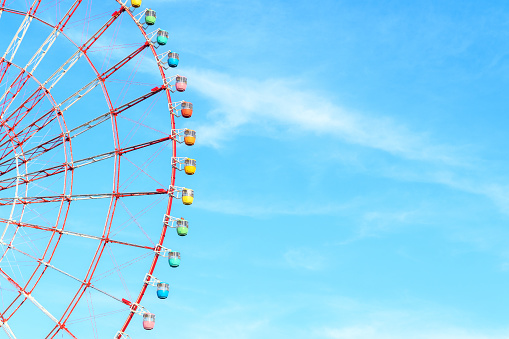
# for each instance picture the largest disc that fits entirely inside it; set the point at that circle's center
(136, 3)
(189, 137)
(149, 320)
(162, 37)
(174, 259)
(190, 166)
(150, 17)
(187, 196)
(182, 227)
(173, 59)
(186, 109)
(163, 290)
(180, 83)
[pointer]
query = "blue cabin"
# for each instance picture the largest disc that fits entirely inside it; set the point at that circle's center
(163, 290)
(173, 59)
(162, 37)
(174, 259)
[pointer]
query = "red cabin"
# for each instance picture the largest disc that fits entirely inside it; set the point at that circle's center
(187, 109)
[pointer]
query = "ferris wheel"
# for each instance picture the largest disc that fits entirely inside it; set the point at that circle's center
(88, 167)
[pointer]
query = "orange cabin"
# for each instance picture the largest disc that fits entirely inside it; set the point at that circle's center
(187, 109)
(189, 137)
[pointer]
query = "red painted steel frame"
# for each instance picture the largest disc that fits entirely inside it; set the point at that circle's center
(170, 199)
(64, 206)
(115, 194)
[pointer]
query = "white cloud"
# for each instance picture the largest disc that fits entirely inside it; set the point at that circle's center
(312, 315)
(276, 102)
(267, 208)
(421, 320)
(273, 105)
(304, 258)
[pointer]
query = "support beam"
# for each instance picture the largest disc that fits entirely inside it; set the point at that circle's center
(74, 197)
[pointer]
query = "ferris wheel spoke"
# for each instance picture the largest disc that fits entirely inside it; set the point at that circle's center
(36, 96)
(9, 54)
(7, 329)
(43, 121)
(82, 50)
(55, 170)
(77, 234)
(28, 296)
(25, 135)
(41, 52)
(84, 283)
(21, 137)
(28, 104)
(81, 93)
(14, 89)
(77, 197)
(57, 141)
(5, 325)
(4, 67)
(60, 324)
(67, 103)
(20, 34)
(89, 19)
(116, 111)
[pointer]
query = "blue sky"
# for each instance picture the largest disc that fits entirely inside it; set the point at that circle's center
(371, 198)
(352, 161)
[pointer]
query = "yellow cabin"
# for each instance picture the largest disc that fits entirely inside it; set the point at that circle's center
(187, 196)
(190, 166)
(136, 3)
(189, 137)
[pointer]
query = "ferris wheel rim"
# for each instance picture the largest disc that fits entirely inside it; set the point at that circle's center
(172, 180)
(64, 130)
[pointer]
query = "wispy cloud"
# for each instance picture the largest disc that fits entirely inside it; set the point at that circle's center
(286, 104)
(328, 317)
(298, 258)
(376, 222)
(276, 105)
(379, 332)
(420, 320)
(269, 208)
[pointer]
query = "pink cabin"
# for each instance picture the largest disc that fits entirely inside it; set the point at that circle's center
(149, 320)
(180, 83)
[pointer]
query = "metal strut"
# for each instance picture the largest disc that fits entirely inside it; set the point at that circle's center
(46, 119)
(41, 52)
(32, 299)
(24, 75)
(84, 283)
(60, 72)
(76, 197)
(47, 172)
(20, 34)
(5, 325)
(101, 78)
(61, 231)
